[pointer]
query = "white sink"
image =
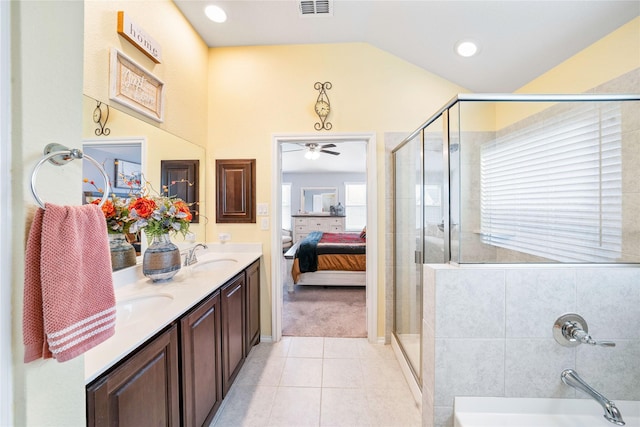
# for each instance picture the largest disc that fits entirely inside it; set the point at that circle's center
(215, 264)
(139, 307)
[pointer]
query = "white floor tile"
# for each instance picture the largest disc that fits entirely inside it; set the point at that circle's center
(302, 372)
(309, 381)
(344, 373)
(306, 347)
(296, 406)
(344, 407)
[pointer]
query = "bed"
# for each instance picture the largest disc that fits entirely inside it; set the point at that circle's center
(329, 259)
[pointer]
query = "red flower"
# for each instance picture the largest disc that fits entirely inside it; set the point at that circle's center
(183, 207)
(108, 209)
(144, 207)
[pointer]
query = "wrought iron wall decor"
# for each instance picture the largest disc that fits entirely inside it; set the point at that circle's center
(101, 119)
(323, 106)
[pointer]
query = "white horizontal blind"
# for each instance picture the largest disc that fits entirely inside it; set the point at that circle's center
(355, 201)
(554, 189)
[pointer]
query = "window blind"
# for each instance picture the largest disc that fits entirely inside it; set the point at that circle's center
(554, 188)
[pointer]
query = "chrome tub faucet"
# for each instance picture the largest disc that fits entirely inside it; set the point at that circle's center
(611, 413)
(190, 257)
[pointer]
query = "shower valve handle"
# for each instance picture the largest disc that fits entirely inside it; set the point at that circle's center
(571, 330)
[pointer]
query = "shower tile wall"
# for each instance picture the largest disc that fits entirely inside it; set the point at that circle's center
(491, 334)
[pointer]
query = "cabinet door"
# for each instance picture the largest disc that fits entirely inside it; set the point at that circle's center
(180, 179)
(233, 329)
(142, 391)
(236, 190)
(201, 362)
(253, 306)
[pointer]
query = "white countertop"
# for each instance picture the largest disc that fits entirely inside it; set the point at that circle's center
(188, 287)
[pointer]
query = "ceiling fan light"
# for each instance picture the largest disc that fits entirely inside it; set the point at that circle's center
(315, 155)
(308, 155)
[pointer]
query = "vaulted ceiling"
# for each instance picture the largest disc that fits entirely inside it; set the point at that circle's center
(519, 40)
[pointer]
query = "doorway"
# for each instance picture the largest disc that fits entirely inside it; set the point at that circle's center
(371, 288)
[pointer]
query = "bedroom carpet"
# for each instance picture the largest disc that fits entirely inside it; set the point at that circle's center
(319, 311)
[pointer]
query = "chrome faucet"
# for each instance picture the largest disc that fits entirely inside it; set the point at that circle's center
(611, 413)
(190, 257)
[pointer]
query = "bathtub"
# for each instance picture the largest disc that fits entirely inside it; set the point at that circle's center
(524, 412)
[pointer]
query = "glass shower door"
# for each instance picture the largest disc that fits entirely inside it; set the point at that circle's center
(408, 251)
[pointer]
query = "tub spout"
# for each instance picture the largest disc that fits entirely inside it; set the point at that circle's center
(611, 412)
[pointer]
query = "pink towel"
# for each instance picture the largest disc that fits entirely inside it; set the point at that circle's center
(69, 301)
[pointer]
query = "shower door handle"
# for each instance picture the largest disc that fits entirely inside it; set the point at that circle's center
(417, 255)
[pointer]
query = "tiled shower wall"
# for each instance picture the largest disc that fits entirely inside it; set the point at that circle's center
(488, 332)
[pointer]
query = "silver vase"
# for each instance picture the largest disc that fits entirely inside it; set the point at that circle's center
(161, 260)
(123, 254)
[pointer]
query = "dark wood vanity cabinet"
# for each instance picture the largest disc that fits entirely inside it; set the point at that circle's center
(252, 274)
(201, 370)
(180, 377)
(233, 297)
(143, 391)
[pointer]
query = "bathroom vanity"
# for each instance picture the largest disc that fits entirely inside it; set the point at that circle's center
(178, 345)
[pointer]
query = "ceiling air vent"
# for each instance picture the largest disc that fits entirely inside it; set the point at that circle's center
(315, 7)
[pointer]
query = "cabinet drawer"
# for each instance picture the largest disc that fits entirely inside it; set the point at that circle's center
(336, 221)
(337, 229)
(300, 221)
(301, 229)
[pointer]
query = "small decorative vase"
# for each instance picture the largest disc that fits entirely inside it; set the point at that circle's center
(123, 254)
(161, 260)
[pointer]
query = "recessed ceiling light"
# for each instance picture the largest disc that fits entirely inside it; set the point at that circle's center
(215, 13)
(466, 48)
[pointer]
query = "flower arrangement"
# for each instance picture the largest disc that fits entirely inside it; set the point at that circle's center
(155, 214)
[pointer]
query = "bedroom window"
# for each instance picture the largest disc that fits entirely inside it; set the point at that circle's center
(286, 206)
(355, 203)
(554, 188)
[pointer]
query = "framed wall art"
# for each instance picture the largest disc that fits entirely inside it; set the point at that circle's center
(135, 88)
(128, 175)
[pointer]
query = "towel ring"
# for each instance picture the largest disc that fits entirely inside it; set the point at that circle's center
(60, 155)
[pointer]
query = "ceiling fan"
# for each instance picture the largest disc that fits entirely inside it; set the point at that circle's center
(314, 149)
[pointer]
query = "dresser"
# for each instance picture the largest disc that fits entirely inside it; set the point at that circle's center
(305, 224)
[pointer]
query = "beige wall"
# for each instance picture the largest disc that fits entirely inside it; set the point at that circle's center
(255, 92)
(183, 68)
(608, 58)
(46, 106)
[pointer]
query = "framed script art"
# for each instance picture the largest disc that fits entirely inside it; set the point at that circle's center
(128, 175)
(134, 87)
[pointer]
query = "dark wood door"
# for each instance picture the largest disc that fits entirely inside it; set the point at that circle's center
(142, 391)
(201, 362)
(180, 178)
(233, 329)
(236, 190)
(253, 306)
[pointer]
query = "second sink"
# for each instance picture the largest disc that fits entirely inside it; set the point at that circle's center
(214, 264)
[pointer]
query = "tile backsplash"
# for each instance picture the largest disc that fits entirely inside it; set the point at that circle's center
(488, 332)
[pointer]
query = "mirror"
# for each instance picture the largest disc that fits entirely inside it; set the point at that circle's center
(147, 148)
(318, 199)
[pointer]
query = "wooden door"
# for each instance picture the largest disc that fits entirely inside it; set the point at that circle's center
(201, 362)
(142, 391)
(233, 330)
(253, 306)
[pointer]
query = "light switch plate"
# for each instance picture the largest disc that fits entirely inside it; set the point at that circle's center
(264, 223)
(263, 209)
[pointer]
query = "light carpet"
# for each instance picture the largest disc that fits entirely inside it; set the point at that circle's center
(324, 311)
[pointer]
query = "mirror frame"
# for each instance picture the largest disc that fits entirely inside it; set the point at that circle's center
(329, 190)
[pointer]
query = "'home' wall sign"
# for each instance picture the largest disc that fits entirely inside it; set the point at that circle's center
(139, 38)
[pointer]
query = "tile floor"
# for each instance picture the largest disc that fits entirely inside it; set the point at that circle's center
(306, 381)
